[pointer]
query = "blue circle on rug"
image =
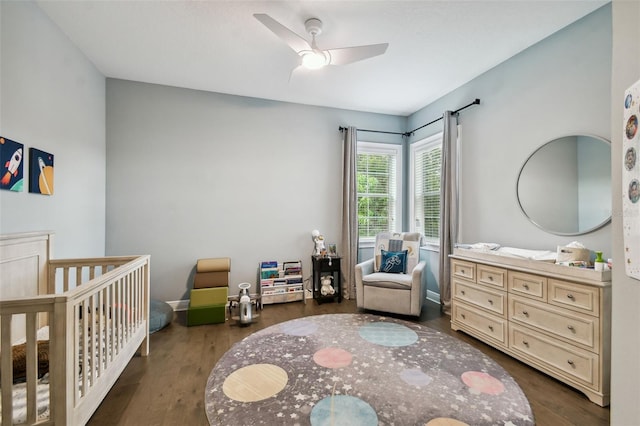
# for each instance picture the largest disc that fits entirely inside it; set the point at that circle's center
(388, 334)
(415, 377)
(343, 410)
(299, 328)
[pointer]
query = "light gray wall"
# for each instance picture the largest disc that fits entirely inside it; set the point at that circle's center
(625, 380)
(193, 174)
(557, 87)
(52, 98)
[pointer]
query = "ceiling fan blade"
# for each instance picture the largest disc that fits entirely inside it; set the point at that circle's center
(294, 41)
(347, 55)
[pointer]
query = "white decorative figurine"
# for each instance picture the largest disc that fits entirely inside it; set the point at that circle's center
(318, 240)
(327, 289)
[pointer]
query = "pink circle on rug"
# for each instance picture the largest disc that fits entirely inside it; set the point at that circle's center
(332, 357)
(482, 382)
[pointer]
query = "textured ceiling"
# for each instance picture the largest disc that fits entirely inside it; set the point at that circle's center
(218, 46)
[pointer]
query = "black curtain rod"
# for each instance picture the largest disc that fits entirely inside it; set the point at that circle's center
(406, 134)
(373, 131)
(475, 102)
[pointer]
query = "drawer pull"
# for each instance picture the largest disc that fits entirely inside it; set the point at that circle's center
(490, 277)
(570, 362)
(570, 327)
(570, 296)
(463, 316)
(525, 313)
(490, 302)
(525, 286)
(462, 292)
(526, 343)
(462, 271)
(491, 327)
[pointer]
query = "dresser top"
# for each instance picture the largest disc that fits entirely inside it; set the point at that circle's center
(550, 269)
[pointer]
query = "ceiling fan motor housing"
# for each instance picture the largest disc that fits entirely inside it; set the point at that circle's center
(313, 26)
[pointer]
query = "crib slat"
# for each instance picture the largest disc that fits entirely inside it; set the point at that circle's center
(6, 361)
(32, 366)
(85, 348)
(65, 279)
(100, 357)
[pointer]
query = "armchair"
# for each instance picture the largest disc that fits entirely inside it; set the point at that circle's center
(400, 291)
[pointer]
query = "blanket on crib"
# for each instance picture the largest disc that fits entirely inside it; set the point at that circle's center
(20, 361)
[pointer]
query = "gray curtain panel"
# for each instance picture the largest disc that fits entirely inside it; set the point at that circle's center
(349, 213)
(448, 205)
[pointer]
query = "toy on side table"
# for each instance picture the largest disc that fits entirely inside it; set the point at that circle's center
(318, 240)
(327, 286)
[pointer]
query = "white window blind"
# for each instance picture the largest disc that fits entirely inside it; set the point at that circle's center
(426, 164)
(379, 177)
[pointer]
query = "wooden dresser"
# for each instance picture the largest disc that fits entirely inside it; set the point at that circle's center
(554, 318)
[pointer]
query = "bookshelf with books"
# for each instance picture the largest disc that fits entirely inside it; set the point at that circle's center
(281, 282)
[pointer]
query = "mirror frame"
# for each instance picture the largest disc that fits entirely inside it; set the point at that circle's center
(587, 231)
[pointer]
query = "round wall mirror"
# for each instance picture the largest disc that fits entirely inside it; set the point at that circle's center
(564, 187)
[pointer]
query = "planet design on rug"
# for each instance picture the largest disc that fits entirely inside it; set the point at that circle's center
(360, 369)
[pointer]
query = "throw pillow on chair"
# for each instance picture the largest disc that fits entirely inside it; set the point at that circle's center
(393, 262)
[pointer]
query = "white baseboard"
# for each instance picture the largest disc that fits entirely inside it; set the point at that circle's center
(433, 296)
(179, 305)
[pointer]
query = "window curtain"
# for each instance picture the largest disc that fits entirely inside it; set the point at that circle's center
(349, 213)
(448, 205)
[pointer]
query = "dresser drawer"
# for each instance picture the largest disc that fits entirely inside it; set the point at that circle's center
(466, 270)
(577, 297)
(570, 326)
(493, 301)
(492, 277)
(528, 285)
(572, 362)
(481, 322)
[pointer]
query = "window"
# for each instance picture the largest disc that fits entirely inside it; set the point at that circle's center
(379, 175)
(425, 167)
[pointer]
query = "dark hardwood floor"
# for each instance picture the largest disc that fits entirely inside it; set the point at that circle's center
(167, 387)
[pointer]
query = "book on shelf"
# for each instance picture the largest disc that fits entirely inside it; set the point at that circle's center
(269, 264)
(293, 271)
(294, 280)
(266, 273)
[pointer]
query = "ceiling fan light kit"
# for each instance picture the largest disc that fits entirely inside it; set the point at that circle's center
(311, 56)
(314, 60)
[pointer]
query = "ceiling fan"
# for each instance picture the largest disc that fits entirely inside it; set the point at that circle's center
(311, 56)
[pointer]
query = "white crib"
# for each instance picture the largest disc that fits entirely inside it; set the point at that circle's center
(96, 311)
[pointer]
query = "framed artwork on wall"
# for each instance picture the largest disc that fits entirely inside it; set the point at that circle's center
(631, 181)
(11, 168)
(40, 172)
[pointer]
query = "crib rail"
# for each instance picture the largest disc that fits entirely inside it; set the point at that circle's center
(98, 319)
(71, 273)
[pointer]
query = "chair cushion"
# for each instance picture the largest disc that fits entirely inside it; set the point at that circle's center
(383, 279)
(398, 241)
(393, 262)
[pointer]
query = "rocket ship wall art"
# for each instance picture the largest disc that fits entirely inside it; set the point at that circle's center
(11, 165)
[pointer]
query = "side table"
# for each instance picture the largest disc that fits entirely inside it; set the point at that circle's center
(326, 266)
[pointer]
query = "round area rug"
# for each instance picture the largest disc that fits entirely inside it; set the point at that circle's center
(360, 369)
